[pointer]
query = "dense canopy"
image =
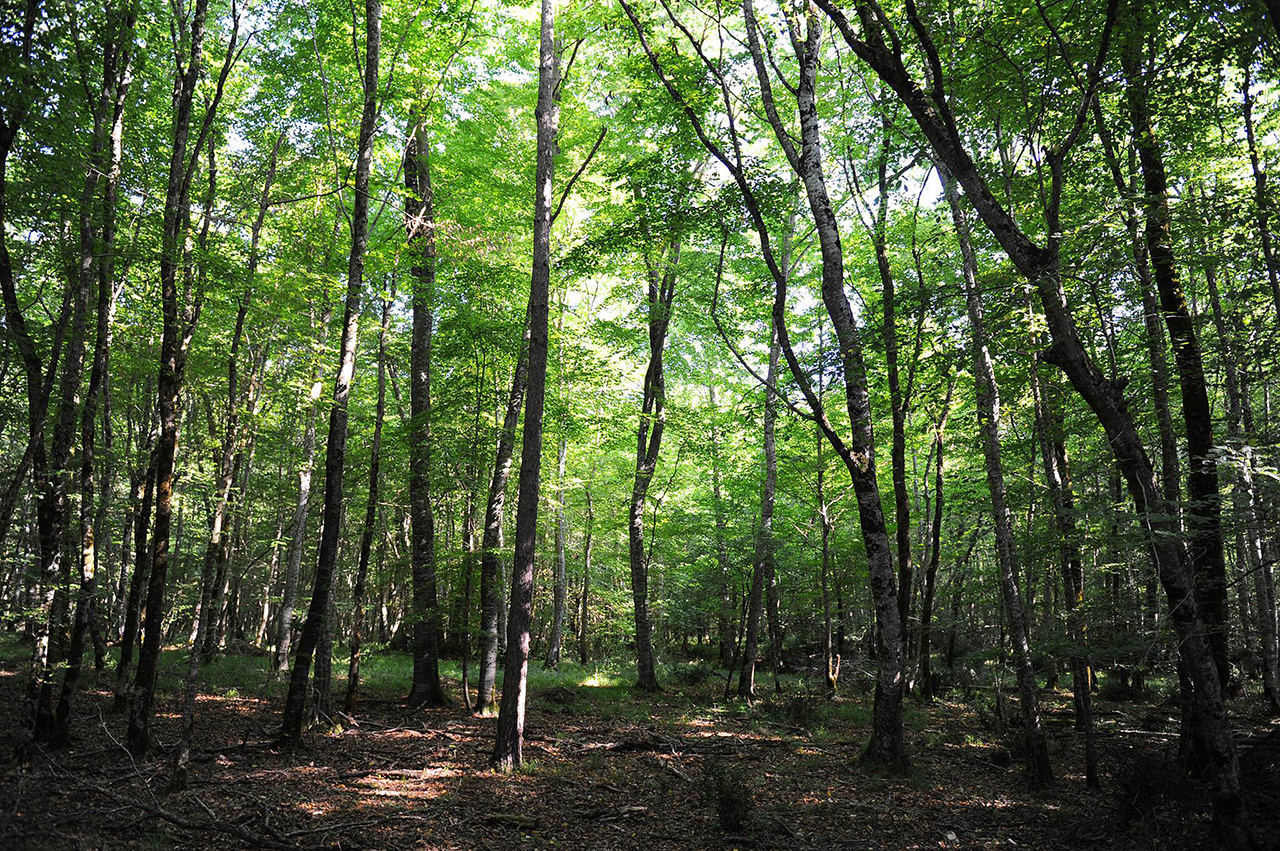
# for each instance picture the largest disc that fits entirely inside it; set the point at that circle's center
(899, 369)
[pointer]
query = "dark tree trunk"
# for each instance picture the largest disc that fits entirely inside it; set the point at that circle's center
(508, 747)
(1041, 265)
(370, 515)
(174, 346)
(935, 551)
(104, 160)
(420, 229)
(660, 295)
(335, 452)
(491, 544)
(1205, 502)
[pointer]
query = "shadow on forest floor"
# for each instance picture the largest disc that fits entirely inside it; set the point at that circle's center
(606, 769)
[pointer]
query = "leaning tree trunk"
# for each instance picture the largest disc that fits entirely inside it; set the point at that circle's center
(1041, 265)
(508, 747)
(335, 450)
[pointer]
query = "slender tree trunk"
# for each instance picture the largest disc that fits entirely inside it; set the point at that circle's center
(886, 746)
(1205, 509)
(560, 590)
(763, 569)
(508, 748)
(584, 613)
(335, 454)
(1039, 771)
(935, 551)
(175, 344)
(661, 276)
(143, 494)
(104, 159)
(297, 545)
(370, 515)
(420, 230)
(490, 558)
(724, 625)
(1261, 198)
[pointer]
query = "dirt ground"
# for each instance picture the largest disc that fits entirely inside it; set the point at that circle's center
(611, 770)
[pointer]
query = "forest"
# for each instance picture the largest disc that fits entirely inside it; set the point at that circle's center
(651, 424)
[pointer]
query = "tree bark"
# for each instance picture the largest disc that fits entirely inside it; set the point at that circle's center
(508, 747)
(724, 622)
(490, 559)
(764, 566)
(420, 230)
(1039, 771)
(370, 515)
(661, 280)
(935, 550)
(174, 346)
(335, 454)
(1205, 507)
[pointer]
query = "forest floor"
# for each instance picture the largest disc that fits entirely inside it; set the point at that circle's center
(607, 768)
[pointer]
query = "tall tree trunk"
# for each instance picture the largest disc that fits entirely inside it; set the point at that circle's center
(144, 492)
(1205, 507)
(420, 227)
(724, 625)
(298, 530)
(560, 590)
(1244, 500)
(335, 450)
(886, 746)
(584, 613)
(1261, 198)
(935, 550)
(1039, 772)
(370, 514)
(178, 329)
(661, 280)
(508, 747)
(764, 566)
(104, 159)
(490, 557)
(932, 113)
